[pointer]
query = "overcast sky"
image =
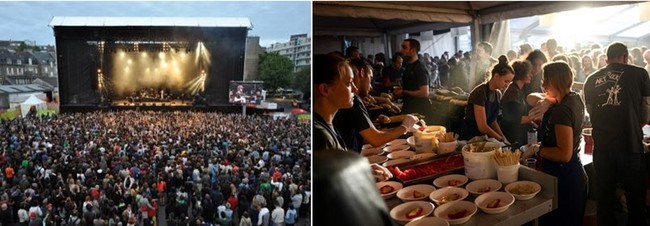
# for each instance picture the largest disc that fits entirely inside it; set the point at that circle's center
(272, 21)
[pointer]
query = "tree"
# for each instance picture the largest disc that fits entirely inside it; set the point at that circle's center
(302, 80)
(275, 70)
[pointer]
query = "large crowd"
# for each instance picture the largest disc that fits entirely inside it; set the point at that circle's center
(120, 168)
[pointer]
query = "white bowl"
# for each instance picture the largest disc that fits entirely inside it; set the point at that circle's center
(395, 162)
(447, 147)
(438, 196)
(400, 154)
(407, 194)
(429, 221)
(399, 212)
(411, 141)
(478, 187)
(455, 180)
(376, 159)
(525, 189)
(501, 199)
(400, 147)
(454, 207)
(397, 142)
(372, 151)
(394, 184)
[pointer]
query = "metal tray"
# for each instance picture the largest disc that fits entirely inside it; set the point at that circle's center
(431, 177)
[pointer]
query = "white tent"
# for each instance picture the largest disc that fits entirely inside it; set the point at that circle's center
(32, 101)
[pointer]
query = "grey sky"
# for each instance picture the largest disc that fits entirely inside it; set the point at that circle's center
(272, 21)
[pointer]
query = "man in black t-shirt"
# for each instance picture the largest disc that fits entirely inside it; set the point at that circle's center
(354, 124)
(617, 98)
(415, 84)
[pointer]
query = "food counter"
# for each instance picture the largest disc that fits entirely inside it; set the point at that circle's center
(521, 211)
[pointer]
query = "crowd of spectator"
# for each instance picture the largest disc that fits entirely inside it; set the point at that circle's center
(120, 168)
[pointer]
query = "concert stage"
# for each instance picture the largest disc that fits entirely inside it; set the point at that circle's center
(170, 103)
(113, 58)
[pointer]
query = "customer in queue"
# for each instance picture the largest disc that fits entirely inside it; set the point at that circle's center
(618, 100)
(516, 122)
(355, 124)
(561, 132)
(483, 105)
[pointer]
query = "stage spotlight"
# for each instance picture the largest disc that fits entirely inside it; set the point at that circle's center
(99, 70)
(161, 55)
(129, 61)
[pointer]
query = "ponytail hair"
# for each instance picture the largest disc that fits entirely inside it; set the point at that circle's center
(502, 68)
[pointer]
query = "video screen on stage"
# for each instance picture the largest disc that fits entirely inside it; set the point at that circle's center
(245, 92)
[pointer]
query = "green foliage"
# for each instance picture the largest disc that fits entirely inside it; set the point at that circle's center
(302, 80)
(275, 70)
(23, 46)
(8, 115)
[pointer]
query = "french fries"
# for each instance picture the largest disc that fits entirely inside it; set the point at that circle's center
(507, 157)
(447, 137)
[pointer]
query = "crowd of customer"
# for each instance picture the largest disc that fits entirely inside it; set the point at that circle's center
(120, 168)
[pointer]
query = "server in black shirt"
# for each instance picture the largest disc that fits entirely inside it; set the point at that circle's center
(354, 124)
(561, 133)
(617, 99)
(333, 90)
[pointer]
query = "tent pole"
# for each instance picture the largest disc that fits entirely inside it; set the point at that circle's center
(475, 31)
(386, 49)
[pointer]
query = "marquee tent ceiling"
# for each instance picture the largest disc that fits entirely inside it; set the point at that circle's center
(393, 17)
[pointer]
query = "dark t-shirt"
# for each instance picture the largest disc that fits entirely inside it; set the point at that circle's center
(349, 122)
(479, 96)
(535, 85)
(569, 112)
(615, 94)
(415, 76)
(393, 74)
(514, 107)
(325, 136)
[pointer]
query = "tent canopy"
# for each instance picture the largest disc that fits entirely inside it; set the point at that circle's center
(33, 100)
(374, 19)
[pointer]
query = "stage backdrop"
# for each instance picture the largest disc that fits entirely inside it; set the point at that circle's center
(86, 44)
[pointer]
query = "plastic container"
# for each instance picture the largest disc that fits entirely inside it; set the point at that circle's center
(508, 174)
(427, 140)
(480, 165)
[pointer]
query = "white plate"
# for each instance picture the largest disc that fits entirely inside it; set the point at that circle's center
(372, 151)
(397, 142)
(411, 141)
(376, 159)
(478, 187)
(505, 201)
(400, 154)
(396, 187)
(407, 194)
(455, 180)
(444, 211)
(400, 147)
(429, 221)
(368, 146)
(535, 188)
(395, 162)
(399, 212)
